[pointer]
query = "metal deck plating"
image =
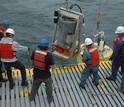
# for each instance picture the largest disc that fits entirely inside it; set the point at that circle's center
(66, 92)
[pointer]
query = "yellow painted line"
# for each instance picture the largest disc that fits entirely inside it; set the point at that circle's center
(109, 64)
(75, 68)
(4, 75)
(105, 65)
(61, 69)
(102, 84)
(101, 66)
(15, 74)
(70, 70)
(65, 69)
(24, 93)
(79, 66)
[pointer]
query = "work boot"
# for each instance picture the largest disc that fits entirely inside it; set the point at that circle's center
(96, 84)
(82, 86)
(120, 90)
(110, 78)
(24, 83)
(11, 85)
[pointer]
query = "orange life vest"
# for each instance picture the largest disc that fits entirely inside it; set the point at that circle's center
(116, 41)
(94, 56)
(62, 51)
(6, 51)
(39, 59)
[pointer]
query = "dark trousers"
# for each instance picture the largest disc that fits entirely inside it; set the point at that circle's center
(17, 65)
(36, 84)
(1, 77)
(115, 68)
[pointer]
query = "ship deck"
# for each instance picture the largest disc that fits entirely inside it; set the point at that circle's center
(66, 92)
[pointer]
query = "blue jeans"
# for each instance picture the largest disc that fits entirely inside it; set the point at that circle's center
(87, 72)
(122, 82)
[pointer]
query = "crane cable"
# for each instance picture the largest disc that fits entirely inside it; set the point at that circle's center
(98, 16)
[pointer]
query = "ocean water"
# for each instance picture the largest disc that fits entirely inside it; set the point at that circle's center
(33, 19)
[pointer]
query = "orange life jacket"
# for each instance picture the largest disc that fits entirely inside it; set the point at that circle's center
(116, 41)
(6, 51)
(62, 51)
(94, 56)
(39, 59)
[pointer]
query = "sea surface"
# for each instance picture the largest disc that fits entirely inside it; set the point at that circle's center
(33, 19)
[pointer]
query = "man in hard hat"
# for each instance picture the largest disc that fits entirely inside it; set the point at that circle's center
(3, 26)
(118, 53)
(8, 47)
(91, 59)
(42, 61)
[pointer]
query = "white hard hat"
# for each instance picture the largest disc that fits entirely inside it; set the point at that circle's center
(11, 31)
(88, 41)
(119, 29)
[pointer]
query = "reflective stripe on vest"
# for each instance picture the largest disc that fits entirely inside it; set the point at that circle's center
(94, 56)
(6, 51)
(39, 59)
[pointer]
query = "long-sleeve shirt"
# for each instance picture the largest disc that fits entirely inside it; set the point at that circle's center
(15, 47)
(117, 55)
(86, 56)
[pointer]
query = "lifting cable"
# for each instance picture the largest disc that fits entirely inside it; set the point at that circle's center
(98, 16)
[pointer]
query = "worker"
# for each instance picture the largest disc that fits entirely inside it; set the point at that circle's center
(42, 61)
(3, 26)
(8, 47)
(91, 59)
(118, 53)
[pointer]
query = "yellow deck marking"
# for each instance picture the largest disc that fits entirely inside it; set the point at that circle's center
(69, 69)
(102, 84)
(62, 70)
(109, 64)
(79, 66)
(105, 65)
(24, 93)
(15, 74)
(73, 68)
(4, 75)
(65, 69)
